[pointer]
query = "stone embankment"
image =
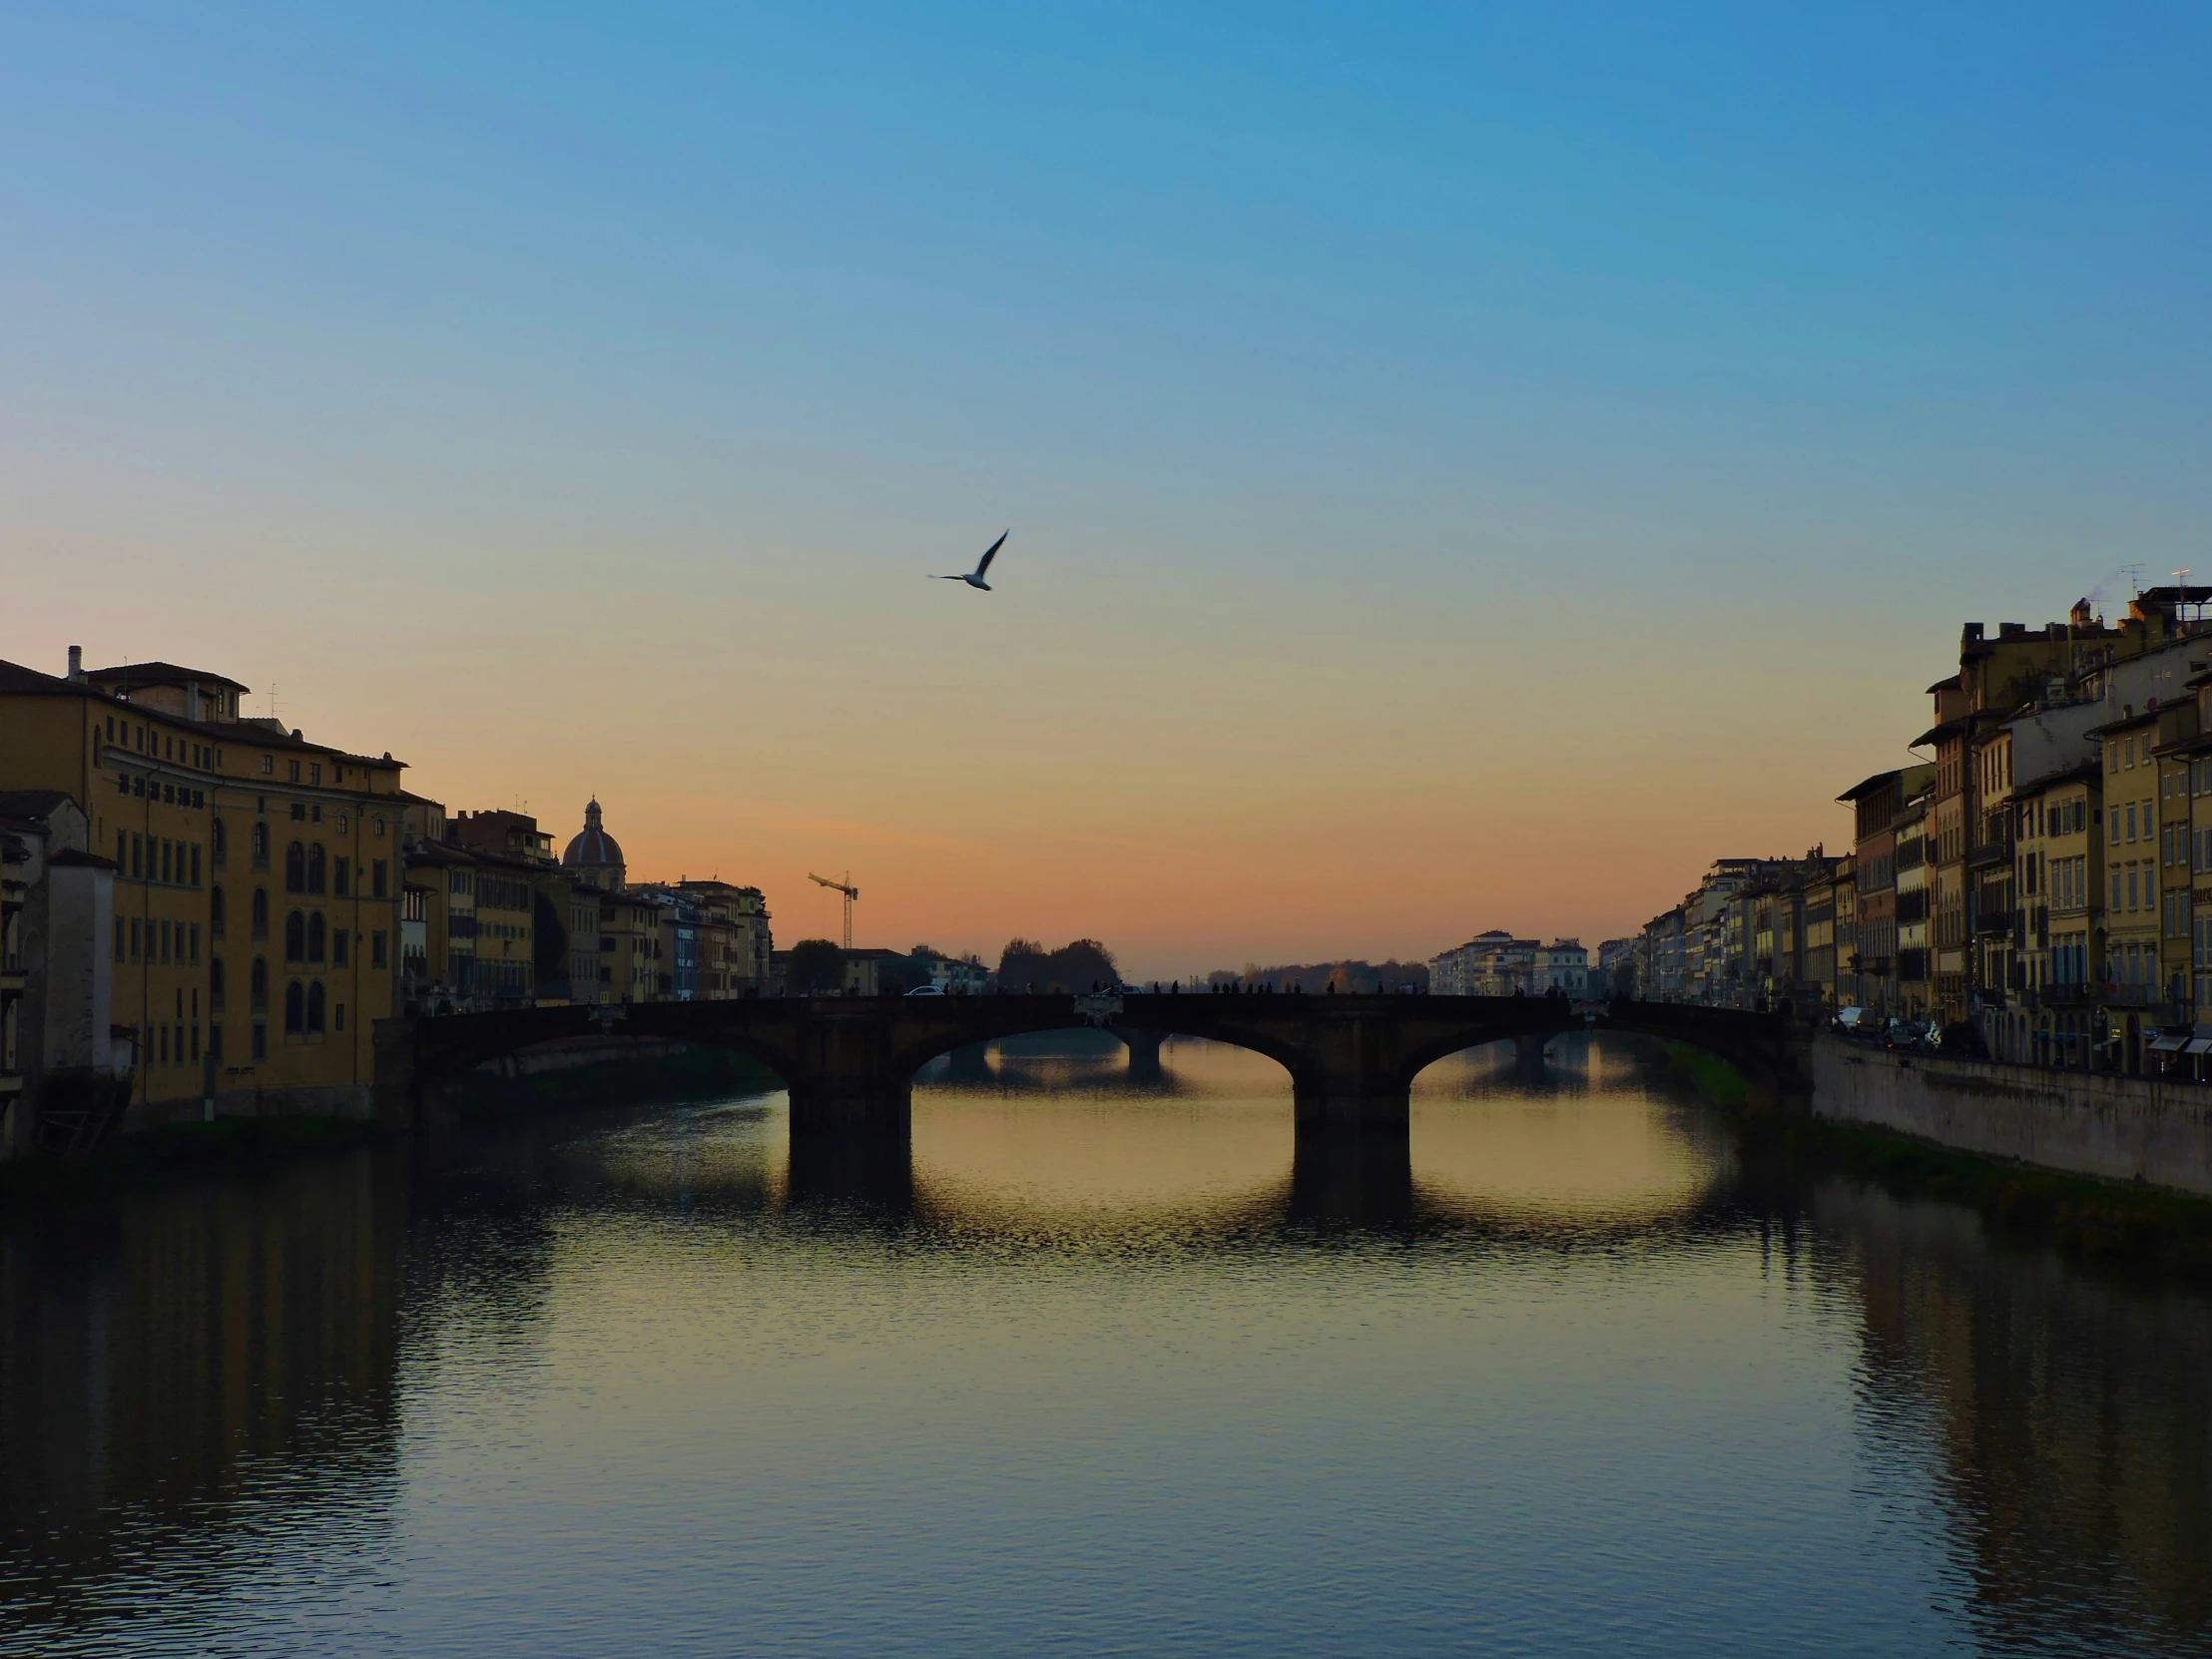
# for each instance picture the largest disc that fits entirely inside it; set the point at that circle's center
(2137, 1129)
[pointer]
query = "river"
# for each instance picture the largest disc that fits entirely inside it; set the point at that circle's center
(1108, 1367)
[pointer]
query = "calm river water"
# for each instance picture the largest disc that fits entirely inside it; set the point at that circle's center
(1107, 1370)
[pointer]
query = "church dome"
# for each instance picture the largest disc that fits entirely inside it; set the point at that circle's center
(592, 848)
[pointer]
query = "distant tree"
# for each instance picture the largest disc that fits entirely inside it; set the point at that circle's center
(1027, 965)
(896, 975)
(813, 968)
(1085, 963)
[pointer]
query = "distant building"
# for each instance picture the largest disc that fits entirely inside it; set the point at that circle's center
(1493, 963)
(1616, 969)
(1563, 967)
(593, 856)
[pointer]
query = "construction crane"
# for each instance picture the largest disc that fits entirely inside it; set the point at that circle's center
(850, 894)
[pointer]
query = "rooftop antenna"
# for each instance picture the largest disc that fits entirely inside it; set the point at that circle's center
(272, 700)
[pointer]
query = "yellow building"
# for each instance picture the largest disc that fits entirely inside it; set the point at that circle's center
(257, 899)
(2058, 862)
(2132, 991)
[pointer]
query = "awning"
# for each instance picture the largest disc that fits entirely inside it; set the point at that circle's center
(2199, 1045)
(2167, 1043)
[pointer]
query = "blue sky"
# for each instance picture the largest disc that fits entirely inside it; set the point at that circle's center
(1428, 395)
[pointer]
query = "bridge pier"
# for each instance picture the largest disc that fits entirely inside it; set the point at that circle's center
(1528, 1054)
(1144, 1054)
(1350, 1106)
(836, 1106)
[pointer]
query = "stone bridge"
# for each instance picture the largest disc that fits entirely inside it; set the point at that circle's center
(849, 1063)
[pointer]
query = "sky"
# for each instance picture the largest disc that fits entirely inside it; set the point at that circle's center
(1467, 466)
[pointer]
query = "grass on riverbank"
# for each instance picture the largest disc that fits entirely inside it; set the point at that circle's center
(1709, 1074)
(2138, 1230)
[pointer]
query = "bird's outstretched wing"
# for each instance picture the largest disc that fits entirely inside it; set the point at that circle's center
(993, 552)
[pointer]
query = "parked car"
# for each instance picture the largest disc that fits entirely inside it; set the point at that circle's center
(1908, 1033)
(926, 991)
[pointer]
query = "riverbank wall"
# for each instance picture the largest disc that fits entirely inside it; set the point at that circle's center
(2133, 1129)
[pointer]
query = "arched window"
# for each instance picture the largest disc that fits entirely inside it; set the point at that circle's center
(216, 911)
(218, 837)
(261, 912)
(295, 867)
(215, 984)
(260, 846)
(315, 868)
(314, 937)
(296, 1009)
(315, 1007)
(258, 983)
(296, 936)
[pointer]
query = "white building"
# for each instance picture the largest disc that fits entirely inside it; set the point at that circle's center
(1563, 967)
(62, 1069)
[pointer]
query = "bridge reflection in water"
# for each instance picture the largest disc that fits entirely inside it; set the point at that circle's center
(1070, 1131)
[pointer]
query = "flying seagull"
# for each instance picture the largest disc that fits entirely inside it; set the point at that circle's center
(974, 578)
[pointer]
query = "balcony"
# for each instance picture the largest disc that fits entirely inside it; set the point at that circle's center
(1988, 856)
(2065, 997)
(1990, 922)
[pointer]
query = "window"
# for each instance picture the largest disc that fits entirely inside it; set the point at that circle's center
(338, 1016)
(119, 939)
(314, 937)
(268, 766)
(338, 950)
(195, 958)
(380, 831)
(136, 942)
(315, 868)
(165, 864)
(215, 985)
(315, 1008)
(137, 856)
(260, 1041)
(315, 773)
(295, 1009)
(256, 984)
(376, 949)
(261, 914)
(215, 912)
(196, 863)
(291, 771)
(378, 879)
(296, 936)
(260, 844)
(219, 841)
(341, 870)
(214, 1044)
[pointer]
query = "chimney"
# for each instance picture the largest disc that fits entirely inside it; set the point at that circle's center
(75, 662)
